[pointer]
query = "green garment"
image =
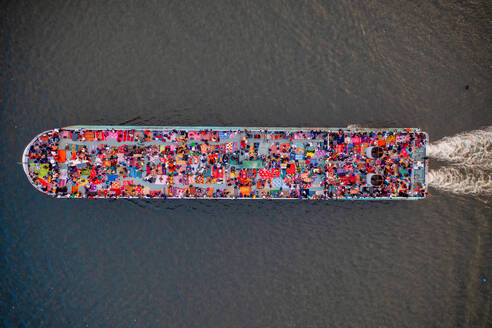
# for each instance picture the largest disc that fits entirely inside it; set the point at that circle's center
(247, 164)
(44, 171)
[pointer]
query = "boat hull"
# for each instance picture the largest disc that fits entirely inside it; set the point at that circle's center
(167, 162)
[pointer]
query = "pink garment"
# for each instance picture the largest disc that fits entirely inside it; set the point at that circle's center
(161, 179)
(112, 135)
(195, 135)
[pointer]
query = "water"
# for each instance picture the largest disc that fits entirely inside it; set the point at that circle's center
(471, 149)
(470, 156)
(76, 263)
(461, 180)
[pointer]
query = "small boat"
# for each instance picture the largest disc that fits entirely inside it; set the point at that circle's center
(167, 162)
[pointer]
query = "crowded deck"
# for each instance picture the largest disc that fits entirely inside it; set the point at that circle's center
(205, 162)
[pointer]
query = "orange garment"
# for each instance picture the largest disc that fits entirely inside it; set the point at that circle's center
(194, 159)
(212, 158)
(62, 157)
(363, 147)
(89, 135)
(245, 191)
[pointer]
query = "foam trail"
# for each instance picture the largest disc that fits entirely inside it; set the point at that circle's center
(354, 126)
(472, 148)
(461, 180)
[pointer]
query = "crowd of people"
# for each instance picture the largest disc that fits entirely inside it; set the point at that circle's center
(214, 164)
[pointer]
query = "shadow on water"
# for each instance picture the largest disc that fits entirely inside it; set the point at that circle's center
(263, 205)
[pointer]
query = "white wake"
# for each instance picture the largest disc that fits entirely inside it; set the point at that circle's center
(472, 148)
(461, 180)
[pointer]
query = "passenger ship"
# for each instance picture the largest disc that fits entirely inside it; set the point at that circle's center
(167, 162)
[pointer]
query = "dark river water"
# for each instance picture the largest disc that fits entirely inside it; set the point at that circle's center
(249, 263)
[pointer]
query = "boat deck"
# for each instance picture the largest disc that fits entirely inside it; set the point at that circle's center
(228, 162)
